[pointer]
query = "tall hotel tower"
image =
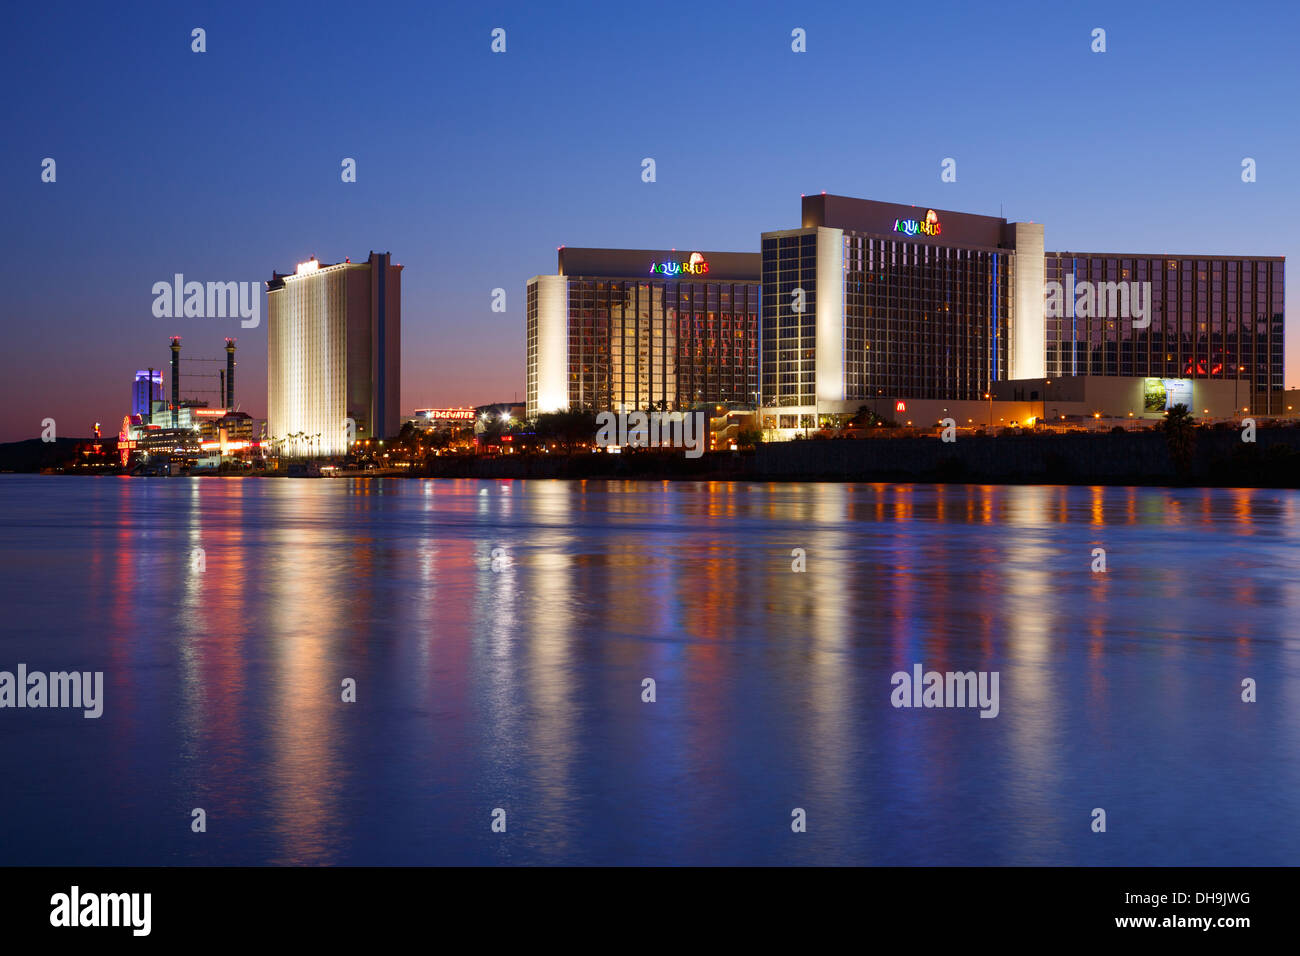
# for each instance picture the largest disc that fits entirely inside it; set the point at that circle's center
(334, 353)
(869, 297)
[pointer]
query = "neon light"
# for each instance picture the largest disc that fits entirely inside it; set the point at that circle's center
(696, 265)
(311, 265)
(448, 414)
(929, 227)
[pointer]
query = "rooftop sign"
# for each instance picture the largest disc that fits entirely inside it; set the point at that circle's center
(696, 265)
(927, 227)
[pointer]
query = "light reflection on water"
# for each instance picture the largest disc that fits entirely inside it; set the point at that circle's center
(520, 687)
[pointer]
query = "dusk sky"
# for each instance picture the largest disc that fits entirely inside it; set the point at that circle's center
(472, 167)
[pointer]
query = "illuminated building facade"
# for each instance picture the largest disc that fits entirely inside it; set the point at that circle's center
(871, 302)
(1210, 317)
(627, 329)
(333, 354)
(230, 433)
(148, 385)
(186, 415)
(197, 429)
(868, 299)
(896, 307)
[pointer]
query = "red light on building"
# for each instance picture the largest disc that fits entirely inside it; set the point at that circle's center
(900, 406)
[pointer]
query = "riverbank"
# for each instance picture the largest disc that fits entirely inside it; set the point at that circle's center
(1219, 458)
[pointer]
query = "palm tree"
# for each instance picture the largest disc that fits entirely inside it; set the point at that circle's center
(1180, 436)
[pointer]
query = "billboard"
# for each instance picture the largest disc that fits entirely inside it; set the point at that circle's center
(1160, 394)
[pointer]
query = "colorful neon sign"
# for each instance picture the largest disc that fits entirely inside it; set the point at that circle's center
(927, 227)
(447, 414)
(696, 265)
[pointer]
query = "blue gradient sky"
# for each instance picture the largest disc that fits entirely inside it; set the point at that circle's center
(473, 167)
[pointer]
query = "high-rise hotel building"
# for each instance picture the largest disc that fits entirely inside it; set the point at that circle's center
(628, 329)
(869, 298)
(902, 308)
(334, 354)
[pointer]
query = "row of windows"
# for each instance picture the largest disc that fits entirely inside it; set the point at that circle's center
(942, 312)
(1123, 267)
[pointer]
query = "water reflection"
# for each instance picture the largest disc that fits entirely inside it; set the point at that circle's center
(499, 634)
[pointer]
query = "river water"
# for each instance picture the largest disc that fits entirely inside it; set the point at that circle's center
(499, 634)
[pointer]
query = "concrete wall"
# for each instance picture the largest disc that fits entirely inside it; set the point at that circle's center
(1117, 397)
(1027, 322)
(828, 355)
(552, 343)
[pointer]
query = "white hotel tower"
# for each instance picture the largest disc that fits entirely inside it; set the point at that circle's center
(334, 354)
